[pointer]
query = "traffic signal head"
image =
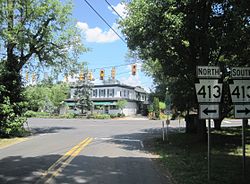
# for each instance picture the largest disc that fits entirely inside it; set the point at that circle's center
(134, 69)
(66, 77)
(81, 77)
(101, 74)
(90, 76)
(27, 76)
(113, 72)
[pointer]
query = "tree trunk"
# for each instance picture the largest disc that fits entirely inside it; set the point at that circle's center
(195, 126)
(217, 124)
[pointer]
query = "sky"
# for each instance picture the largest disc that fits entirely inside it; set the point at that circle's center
(107, 49)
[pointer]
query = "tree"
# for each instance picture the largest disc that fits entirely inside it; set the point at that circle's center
(83, 94)
(35, 34)
(162, 106)
(44, 96)
(156, 107)
(121, 104)
(173, 37)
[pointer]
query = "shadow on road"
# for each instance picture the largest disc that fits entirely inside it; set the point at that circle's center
(48, 130)
(83, 169)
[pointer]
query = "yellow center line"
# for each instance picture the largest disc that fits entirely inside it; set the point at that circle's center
(62, 162)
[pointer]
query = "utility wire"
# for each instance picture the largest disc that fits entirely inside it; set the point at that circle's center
(104, 21)
(113, 9)
(115, 66)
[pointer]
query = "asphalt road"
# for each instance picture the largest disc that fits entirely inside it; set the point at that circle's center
(83, 151)
(86, 151)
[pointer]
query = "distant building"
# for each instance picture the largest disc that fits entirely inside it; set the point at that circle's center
(106, 95)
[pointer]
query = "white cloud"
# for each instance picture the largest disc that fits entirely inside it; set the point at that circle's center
(96, 34)
(120, 8)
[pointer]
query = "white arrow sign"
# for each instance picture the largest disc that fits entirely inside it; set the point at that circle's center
(242, 111)
(240, 91)
(208, 90)
(207, 111)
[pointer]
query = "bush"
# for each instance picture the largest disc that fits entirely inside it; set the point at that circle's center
(67, 116)
(11, 124)
(113, 115)
(30, 114)
(120, 115)
(163, 116)
(98, 116)
(34, 114)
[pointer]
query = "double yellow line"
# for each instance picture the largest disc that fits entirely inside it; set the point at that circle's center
(62, 162)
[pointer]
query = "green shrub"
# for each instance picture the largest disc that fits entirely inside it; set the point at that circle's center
(121, 115)
(11, 124)
(30, 114)
(98, 116)
(68, 115)
(163, 116)
(34, 114)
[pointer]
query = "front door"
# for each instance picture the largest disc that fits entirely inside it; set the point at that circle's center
(106, 109)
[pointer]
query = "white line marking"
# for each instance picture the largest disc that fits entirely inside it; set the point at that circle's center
(125, 140)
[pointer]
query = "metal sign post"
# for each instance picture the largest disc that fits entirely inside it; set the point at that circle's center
(244, 123)
(240, 95)
(163, 131)
(209, 150)
(209, 92)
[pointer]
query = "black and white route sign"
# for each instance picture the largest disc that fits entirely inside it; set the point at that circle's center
(208, 90)
(207, 72)
(207, 111)
(240, 91)
(240, 73)
(242, 111)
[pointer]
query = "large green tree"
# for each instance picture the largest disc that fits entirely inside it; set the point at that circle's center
(174, 36)
(35, 34)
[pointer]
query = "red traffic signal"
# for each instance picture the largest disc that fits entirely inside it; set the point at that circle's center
(113, 72)
(134, 69)
(101, 74)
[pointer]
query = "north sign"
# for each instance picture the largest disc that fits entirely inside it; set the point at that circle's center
(242, 111)
(207, 111)
(208, 72)
(208, 91)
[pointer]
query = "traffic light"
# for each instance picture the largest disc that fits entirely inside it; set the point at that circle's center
(113, 72)
(66, 77)
(134, 69)
(33, 77)
(90, 76)
(27, 76)
(81, 76)
(101, 74)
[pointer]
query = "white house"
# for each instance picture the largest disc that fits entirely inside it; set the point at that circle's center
(106, 95)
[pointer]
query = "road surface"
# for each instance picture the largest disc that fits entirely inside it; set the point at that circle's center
(83, 151)
(86, 151)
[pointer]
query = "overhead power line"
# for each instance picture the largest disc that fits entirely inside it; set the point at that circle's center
(104, 21)
(113, 9)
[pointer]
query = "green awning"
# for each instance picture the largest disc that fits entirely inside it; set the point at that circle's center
(104, 103)
(70, 103)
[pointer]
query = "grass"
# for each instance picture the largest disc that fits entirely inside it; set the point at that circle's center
(186, 158)
(10, 141)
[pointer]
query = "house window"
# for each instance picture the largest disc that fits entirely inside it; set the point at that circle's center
(94, 94)
(101, 92)
(110, 92)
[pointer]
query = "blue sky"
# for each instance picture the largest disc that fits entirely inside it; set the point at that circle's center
(106, 47)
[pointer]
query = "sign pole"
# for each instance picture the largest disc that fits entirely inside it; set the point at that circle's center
(163, 132)
(209, 150)
(244, 123)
